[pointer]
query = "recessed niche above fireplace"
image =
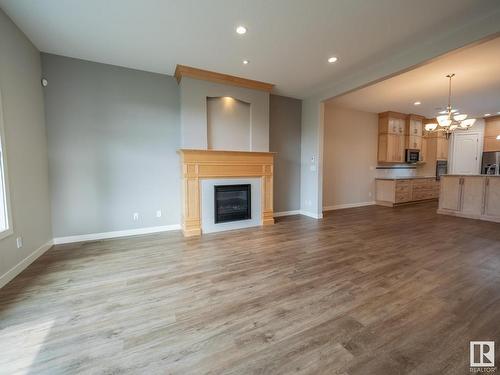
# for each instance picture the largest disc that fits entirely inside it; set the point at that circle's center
(232, 203)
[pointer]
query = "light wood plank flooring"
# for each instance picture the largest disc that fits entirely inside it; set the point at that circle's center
(370, 290)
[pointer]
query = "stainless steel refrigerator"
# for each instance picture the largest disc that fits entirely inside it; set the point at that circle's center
(491, 163)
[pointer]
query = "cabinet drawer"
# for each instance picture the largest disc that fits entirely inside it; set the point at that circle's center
(402, 183)
(403, 196)
(423, 185)
(424, 194)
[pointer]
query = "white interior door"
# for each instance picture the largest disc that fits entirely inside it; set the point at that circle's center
(465, 153)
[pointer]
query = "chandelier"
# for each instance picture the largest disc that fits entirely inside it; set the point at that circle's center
(451, 120)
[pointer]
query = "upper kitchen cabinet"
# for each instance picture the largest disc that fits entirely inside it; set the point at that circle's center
(391, 123)
(436, 143)
(441, 147)
(391, 138)
(491, 132)
(414, 124)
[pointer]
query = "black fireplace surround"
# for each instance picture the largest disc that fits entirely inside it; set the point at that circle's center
(232, 203)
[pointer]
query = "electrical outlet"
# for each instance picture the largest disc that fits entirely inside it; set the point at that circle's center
(158, 213)
(19, 242)
(136, 216)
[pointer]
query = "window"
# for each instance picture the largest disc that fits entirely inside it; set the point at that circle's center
(5, 229)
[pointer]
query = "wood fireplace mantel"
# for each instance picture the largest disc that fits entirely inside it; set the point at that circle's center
(199, 164)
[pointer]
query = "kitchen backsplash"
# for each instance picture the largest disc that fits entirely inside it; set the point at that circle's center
(399, 170)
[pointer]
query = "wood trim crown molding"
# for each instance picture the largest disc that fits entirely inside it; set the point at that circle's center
(199, 164)
(206, 75)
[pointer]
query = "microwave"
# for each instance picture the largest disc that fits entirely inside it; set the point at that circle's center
(412, 156)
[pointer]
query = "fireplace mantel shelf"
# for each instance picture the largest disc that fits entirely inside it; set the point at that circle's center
(199, 164)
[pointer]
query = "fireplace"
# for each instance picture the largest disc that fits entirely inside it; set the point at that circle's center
(232, 203)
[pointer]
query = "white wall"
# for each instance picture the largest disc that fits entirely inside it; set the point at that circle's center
(349, 156)
(25, 146)
(193, 99)
(228, 124)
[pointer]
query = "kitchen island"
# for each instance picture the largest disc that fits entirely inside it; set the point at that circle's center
(470, 196)
(393, 191)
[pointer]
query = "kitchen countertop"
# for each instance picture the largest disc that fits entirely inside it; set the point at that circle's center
(471, 175)
(404, 177)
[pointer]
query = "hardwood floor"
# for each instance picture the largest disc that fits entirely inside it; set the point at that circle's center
(370, 290)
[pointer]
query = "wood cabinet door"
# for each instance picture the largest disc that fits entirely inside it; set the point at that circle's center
(401, 127)
(442, 149)
(451, 192)
(423, 150)
(390, 148)
(472, 195)
(414, 142)
(492, 127)
(393, 126)
(400, 155)
(415, 127)
(491, 144)
(492, 197)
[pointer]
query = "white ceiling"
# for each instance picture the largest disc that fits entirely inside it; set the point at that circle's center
(288, 41)
(475, 88)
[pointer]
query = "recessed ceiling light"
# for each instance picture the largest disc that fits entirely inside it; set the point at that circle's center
(241, 30)
(332, 59)
(417, 103)
(487, 114)
(245, 62)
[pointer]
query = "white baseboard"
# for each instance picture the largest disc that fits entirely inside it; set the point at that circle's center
(21, 266)
(348, 205)
(115, 234)
(286, 213)
(311, 214)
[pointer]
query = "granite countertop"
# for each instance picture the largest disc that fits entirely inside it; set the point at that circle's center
(403, 177)
(472, 175)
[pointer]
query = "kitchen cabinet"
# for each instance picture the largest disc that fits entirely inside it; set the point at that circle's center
(391, 139)
(450, 195)
(492, 197)
(436, 144)
(491, 131)
(471, 196)
(391, 123)
(414, 124)
(390, 148)
(414, 142)
(441, 147)
(391, 192)
(491, 144)
(424, 150)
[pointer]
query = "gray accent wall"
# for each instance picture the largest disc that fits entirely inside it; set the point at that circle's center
(113, 134)
(285, 139)
(25, 145)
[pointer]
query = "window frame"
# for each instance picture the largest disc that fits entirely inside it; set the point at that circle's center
(4, 178)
